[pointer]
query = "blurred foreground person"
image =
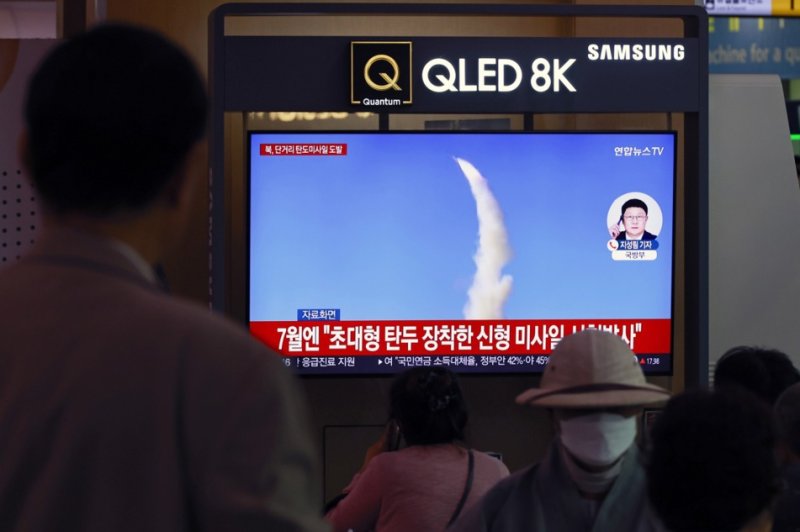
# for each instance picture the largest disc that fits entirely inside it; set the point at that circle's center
(426, 484)
(592, 477)
(123, 408)
(787, 416)
(764, 372)
(712, 463)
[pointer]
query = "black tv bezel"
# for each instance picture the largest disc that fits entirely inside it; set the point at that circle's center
(668, 372)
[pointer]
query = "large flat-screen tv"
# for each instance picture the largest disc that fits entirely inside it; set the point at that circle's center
(372, 252)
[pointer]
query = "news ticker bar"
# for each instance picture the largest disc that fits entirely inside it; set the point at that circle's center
(450, 337)
(330, 365)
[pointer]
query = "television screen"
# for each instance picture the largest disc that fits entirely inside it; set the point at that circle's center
(372, 252)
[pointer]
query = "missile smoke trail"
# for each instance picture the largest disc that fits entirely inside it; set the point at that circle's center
(490, 288)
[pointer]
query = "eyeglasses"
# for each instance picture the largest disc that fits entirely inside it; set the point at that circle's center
(634, 218)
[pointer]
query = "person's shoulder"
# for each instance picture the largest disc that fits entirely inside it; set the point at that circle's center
(649, 236)
(210, 339)
(203, 323)
(202, 319)
(400, 458)
(515, 483)
(414, 458)
(403, 459)
(502, 501)
(523, 476)
(491, 462)
(403, 463)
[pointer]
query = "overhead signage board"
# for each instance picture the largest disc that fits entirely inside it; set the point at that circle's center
(463, 74)
(754, 8)
(754, 46)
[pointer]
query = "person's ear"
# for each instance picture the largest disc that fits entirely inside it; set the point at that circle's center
(180, 188)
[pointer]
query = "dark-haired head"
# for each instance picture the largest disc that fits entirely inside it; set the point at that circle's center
(111, 115)
(428, 405)
(712, 461)
(764, 372)
(633, 202)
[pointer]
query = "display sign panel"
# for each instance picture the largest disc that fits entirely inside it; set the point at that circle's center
(442, 75)
(741, 45)
(373, 252)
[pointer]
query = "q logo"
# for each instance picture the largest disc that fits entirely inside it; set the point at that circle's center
(380, 73)
(391, 82)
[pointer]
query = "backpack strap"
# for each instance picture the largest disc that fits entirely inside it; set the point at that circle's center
(467, 487)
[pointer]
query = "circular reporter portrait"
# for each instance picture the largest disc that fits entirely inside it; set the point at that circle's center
(651, 221)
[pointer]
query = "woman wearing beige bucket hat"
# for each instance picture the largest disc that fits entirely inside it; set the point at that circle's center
(591, 478)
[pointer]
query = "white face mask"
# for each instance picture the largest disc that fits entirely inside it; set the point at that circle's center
(598, 439)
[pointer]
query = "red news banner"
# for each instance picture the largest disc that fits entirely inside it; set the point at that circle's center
(450, 337)
(303, 148)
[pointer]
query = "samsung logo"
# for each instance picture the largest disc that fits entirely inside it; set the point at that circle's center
(636, 52)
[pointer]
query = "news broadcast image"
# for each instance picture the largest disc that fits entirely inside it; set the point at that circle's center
(373, 252)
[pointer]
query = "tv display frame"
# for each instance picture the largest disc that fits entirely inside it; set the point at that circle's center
(366, 260)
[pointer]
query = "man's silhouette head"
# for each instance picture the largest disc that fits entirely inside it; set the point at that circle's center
(111, 116)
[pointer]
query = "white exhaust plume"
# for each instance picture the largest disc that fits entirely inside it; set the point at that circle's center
(490, 288)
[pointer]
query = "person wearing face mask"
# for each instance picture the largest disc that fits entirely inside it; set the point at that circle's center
(592, 477)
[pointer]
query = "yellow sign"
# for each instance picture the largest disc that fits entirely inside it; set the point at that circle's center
(785, 8)
(754, 8)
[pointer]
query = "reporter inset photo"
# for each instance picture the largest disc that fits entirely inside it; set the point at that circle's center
(634, 216)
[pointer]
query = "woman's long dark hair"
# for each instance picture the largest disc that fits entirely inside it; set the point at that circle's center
(428, 405)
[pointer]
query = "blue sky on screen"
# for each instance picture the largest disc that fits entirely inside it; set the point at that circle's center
(389, 231)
